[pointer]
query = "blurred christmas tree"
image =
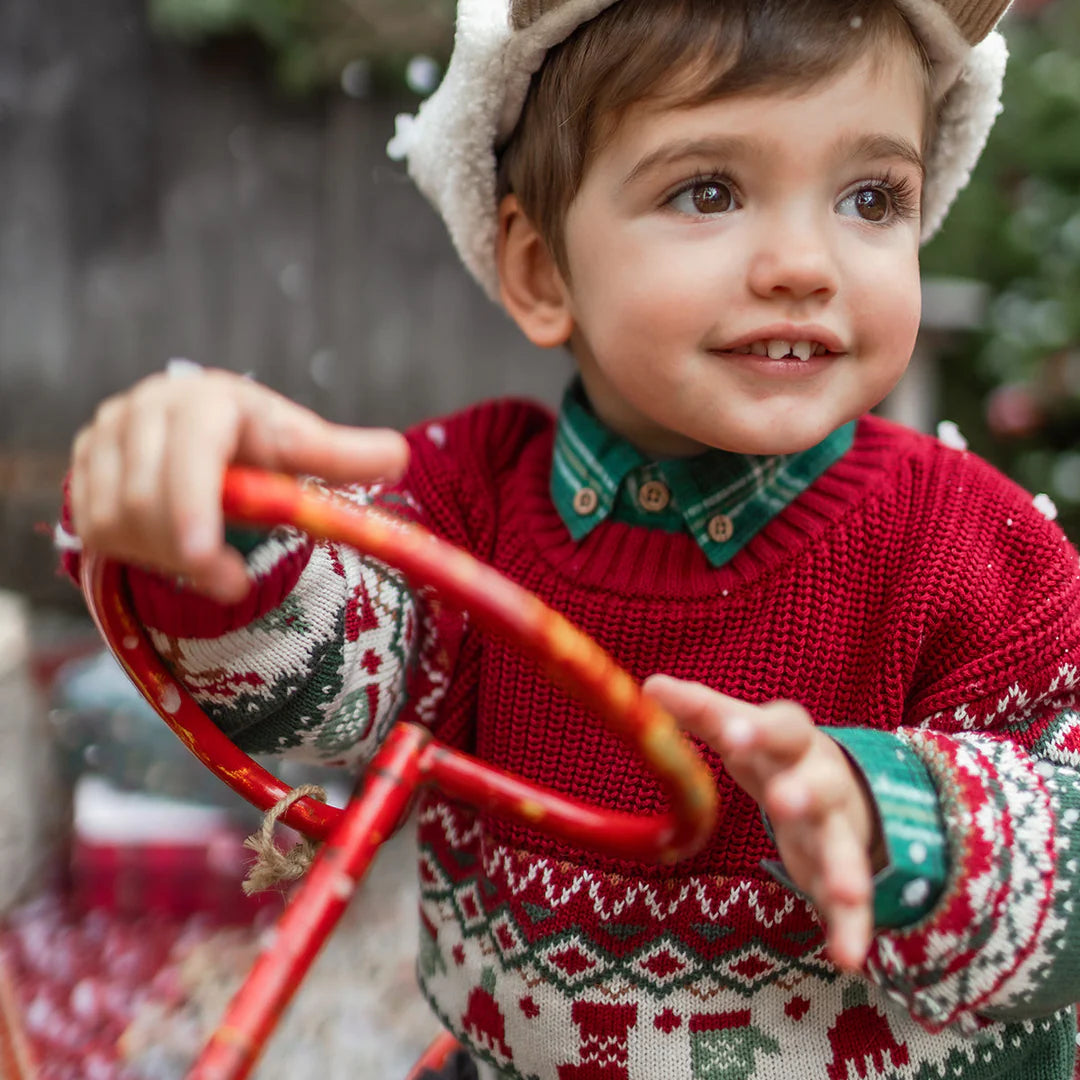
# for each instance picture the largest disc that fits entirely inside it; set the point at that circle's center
(317, 43)
(1014, 388)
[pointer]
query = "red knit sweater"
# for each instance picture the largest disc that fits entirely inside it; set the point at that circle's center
(911, 589)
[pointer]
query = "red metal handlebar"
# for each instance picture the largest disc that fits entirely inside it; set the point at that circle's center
(408, 757)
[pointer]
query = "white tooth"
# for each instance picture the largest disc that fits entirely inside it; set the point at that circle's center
(759, 348)
(803, 350)
(778, 350)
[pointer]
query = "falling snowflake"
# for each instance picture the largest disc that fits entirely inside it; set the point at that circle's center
(401, 145)
(949, 434)
(1045, 505)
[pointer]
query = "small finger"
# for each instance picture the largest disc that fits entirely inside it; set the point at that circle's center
(98, 459)
(279, 434)
(850, 928)
(730, 727)
(789, 798)
(808, 790)
(787, 731)
(727, 724)
(80, 453)
(100, 495)
(844, 893)
(143, 450)
(202, 439)
(847, 869)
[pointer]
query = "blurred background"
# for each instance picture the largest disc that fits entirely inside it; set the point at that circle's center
(207, 179)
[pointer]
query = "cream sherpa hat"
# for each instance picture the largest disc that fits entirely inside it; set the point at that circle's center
(451, 143)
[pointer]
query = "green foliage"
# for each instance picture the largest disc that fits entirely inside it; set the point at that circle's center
(312, 41)
(1015, 388)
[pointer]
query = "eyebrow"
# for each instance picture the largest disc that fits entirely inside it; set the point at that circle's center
(881, 147)
(738, 147)
(728, 147)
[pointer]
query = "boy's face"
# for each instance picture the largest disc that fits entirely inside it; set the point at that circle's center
(699, 232)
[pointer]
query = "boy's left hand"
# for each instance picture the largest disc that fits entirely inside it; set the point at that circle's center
(823, 818)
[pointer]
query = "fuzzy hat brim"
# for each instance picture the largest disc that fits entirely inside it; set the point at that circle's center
(450, 145)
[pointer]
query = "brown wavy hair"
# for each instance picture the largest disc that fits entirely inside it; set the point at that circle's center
(681, 53)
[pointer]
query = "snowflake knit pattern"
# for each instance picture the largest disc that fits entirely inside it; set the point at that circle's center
(911, 590)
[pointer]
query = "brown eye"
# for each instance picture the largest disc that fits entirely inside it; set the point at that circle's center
(711, 198)
(872, 204)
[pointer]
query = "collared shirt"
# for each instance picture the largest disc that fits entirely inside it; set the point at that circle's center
(722, 499)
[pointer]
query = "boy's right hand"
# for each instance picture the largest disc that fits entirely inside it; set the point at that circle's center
(147, 472)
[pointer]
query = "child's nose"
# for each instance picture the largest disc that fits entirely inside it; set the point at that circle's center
(795, 262)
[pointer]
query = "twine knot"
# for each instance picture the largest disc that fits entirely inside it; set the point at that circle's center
(273, 866)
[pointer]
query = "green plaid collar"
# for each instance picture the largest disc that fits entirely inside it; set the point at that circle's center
(723, 499)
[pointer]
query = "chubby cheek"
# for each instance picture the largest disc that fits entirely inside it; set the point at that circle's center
(635, 303)
(888, 303)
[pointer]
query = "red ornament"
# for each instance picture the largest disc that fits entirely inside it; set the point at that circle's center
(1013, 411)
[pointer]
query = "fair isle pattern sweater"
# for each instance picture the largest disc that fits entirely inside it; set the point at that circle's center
(912, 590)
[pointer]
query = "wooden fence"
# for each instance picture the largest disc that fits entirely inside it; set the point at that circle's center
(158, 203)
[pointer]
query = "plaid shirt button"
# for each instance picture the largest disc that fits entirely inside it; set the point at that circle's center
(653, 496)
(721, 528)
(585, 501)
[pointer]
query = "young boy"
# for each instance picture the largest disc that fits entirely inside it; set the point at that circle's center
(717, 205)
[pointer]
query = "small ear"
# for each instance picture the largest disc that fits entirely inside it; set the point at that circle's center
(530, 282)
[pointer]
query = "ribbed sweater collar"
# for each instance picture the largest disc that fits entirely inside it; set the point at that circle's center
(723, 499)
(654, 563)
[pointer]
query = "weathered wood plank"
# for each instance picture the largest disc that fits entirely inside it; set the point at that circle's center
(157, 203)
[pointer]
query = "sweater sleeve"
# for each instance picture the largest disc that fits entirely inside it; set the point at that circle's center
(912, 829)
(321, 657)
(331, 647)
(995, 719)
(325, 652)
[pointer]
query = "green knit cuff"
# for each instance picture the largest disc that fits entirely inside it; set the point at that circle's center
(908, 886)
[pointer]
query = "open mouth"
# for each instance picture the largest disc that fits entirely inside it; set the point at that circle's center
(783, 350)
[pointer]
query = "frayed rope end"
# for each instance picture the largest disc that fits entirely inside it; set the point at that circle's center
(274, 867)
